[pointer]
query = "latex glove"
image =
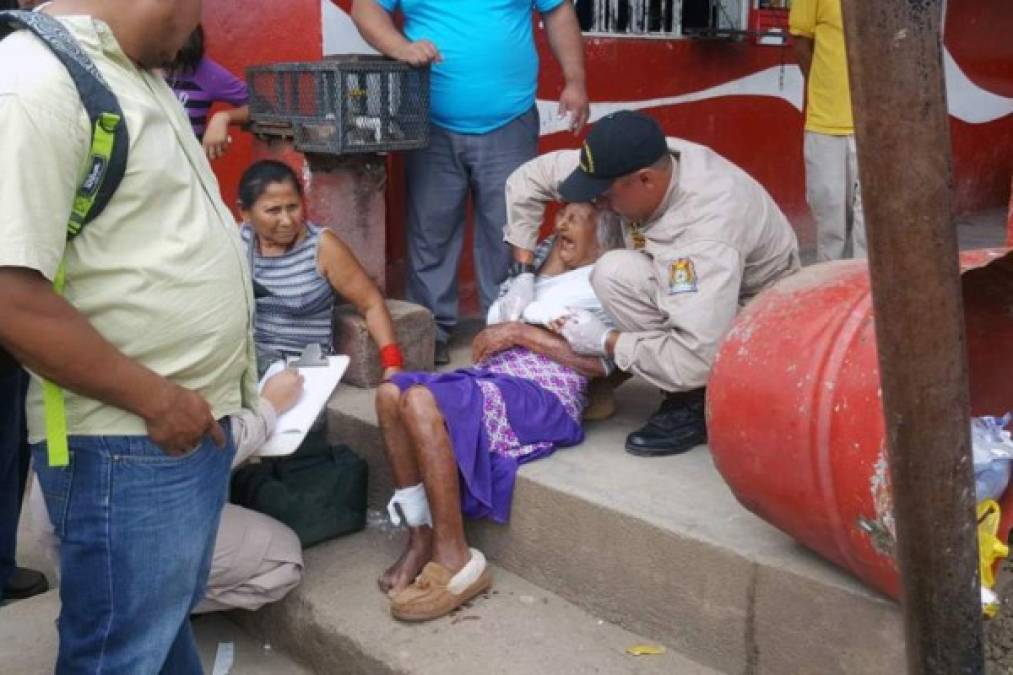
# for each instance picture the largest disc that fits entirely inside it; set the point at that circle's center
(585, 332)
(520, 294)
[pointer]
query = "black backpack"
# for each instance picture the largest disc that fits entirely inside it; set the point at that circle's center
(320, 491)
(107, 162)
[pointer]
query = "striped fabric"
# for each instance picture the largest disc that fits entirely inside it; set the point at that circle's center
(297, 309)
(206, 85)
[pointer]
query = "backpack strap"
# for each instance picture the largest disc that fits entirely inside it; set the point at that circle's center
(107, 163)
(107, 160)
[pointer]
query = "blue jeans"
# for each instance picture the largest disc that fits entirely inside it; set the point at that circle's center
(137, 531)
(440, 178)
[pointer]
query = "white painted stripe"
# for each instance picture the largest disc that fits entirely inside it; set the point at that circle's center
(966, 100)
(767, 82)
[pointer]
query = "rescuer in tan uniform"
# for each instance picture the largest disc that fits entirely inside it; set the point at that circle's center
(702, 238)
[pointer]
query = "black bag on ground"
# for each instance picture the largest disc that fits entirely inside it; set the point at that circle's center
(319, 491)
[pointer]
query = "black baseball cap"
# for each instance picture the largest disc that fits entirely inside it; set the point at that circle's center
(617, 145)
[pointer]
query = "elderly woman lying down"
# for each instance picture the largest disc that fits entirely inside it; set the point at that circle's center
(454, 440)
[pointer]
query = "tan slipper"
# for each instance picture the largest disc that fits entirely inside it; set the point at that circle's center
(436, 592)
(601, 402)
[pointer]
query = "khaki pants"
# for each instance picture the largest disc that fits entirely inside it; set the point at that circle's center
(627, 285)
(257, 560)
(834, 195)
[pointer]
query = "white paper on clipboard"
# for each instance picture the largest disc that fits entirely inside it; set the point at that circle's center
(318, 384)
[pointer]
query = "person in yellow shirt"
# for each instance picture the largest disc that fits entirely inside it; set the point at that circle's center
(831, 163)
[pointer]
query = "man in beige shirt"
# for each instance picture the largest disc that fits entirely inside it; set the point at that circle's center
(702, 238)
(151, 340)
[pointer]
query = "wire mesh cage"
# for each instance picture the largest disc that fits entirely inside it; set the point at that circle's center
(342, 104)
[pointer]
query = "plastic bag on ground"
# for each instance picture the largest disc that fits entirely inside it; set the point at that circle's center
(992, 449)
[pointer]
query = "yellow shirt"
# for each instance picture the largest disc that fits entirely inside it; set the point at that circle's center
(828, 100)
(161, 273)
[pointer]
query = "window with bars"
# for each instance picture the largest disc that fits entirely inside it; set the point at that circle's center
(662, 18)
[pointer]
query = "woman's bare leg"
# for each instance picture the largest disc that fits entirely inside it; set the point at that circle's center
(427, 430)
(405, 469)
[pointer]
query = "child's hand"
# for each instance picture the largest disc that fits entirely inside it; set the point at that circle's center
(283, 390)
(216, 136)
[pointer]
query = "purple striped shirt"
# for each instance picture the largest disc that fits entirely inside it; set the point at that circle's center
(207, 84)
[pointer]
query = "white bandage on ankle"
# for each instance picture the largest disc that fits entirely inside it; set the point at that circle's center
(469, 574)
(414, 507)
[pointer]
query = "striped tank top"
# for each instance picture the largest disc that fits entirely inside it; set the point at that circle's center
(295, 302)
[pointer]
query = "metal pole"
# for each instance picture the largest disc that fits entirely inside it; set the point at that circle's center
(902, 126)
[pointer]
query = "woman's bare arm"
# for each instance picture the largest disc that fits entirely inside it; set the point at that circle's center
(347, 277)
(539, 340)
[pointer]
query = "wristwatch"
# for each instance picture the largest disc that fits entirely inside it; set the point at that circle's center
(518, 268)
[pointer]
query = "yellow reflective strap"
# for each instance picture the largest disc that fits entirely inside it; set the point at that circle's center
(53, 404)
(103, 138)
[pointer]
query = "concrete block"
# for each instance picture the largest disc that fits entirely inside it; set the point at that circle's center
(662, 548)
(413, 326)
(804, 627)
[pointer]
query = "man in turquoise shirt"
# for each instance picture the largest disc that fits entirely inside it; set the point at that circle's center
(485, 125)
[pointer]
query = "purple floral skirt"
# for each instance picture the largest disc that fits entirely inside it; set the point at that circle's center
(513, 408)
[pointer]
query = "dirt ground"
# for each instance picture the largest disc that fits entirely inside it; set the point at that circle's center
(999, 631)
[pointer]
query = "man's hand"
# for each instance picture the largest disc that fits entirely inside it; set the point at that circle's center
(493, 340)
(419, 53)
(520, 294)
(216, 136)
(586, 333)
(180, 419)
(574, 101)
(282, 390)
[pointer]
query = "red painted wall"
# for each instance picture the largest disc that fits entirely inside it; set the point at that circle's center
(241, 34)
(978, 36)
(761, 134)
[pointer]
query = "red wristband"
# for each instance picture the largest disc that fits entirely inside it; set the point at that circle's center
(391, 356)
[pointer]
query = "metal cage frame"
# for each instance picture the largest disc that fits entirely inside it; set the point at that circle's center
(347, 104)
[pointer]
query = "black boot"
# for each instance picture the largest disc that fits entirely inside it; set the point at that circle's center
(24, 583)
(678, 426)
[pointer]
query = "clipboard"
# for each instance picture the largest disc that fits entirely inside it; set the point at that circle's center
(319, 382)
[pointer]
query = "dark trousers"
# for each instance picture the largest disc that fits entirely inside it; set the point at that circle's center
(440, 179)
(14, 458)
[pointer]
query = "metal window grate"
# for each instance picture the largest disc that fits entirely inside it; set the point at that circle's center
(629, 17)
(342, 105)
(664, 18)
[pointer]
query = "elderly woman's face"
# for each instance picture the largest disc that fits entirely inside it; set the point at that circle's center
(576, 235)
(277, 215)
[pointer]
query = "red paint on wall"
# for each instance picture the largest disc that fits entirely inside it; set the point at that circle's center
(1009, 218)
(978, 36)
(241, 34)
(762, 135)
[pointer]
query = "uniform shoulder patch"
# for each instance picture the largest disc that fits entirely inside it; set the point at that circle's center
(682, 276)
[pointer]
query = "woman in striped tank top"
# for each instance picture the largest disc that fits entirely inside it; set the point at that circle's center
(299, 268)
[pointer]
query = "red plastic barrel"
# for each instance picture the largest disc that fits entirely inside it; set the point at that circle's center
(794, 412)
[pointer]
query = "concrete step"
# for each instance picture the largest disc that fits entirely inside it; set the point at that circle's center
(661, 547)
(337, 621)
(28, 641)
